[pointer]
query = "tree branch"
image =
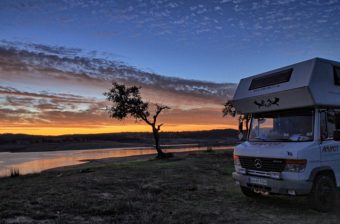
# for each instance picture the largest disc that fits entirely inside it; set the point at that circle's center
(159, 127)
(229, 109)
(159, 109)
(145, 119)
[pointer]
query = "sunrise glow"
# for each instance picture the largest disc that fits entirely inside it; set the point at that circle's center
(109, 129)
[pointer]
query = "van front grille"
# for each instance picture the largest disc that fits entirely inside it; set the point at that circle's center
(262, 164)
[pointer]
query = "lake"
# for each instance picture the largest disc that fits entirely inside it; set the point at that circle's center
(35, 162)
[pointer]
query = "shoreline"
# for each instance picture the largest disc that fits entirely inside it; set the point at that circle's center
(24, 163)
(55, 147)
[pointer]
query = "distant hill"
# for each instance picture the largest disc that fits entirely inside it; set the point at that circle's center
(20, 142)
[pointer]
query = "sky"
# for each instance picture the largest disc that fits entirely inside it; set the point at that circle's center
(48, 90)
(215, 40)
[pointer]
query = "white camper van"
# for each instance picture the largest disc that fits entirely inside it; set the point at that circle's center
(293, 142)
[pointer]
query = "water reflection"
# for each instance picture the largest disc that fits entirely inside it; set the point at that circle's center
(35, 162)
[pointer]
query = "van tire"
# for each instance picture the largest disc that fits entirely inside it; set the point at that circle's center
(324, 194)
(249, 192)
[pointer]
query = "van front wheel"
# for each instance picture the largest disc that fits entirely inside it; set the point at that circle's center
(324, 194)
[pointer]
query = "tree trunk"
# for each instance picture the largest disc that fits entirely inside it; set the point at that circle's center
(155, 132)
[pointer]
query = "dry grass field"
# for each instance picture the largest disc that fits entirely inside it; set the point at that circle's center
(189, 188)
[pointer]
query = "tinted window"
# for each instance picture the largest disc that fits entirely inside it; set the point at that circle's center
(272, 79)
(293, 125)
(333, 123)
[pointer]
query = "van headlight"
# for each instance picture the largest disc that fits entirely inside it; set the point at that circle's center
(295, 165)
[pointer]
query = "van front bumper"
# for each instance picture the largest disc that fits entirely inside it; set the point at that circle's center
(274, 186)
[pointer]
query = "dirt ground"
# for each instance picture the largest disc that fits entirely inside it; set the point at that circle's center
(190, 188)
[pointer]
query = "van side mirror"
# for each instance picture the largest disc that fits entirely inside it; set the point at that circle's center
(336, 135)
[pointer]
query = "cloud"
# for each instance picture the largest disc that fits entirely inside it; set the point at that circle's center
(28, 100)
(70, 98)
(44, 112)
(23, 108)
(217, 8)
(165, 19)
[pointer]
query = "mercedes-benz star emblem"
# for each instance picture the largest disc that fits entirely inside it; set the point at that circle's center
(258, 163)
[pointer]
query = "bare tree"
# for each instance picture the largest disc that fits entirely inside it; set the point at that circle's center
(127, 102)
(230, 110)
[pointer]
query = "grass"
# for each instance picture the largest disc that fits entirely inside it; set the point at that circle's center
(189, 188)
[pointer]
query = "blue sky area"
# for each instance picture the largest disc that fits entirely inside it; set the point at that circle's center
(220, 41)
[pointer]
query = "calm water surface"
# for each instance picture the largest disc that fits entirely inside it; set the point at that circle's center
(35, 162)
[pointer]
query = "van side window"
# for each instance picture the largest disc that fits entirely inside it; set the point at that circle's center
(332, 124)
(337, 120)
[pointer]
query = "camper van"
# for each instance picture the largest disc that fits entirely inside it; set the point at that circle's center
(292, 146)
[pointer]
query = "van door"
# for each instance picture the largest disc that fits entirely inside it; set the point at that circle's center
(330, 149)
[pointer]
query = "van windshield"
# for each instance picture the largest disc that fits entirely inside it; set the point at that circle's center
(292, 126)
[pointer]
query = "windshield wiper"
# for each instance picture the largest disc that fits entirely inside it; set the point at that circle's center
(257, 139)
(282, 140)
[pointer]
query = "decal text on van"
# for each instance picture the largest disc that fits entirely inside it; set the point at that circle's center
(330, 148)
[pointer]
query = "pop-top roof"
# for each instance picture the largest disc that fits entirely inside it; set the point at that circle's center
(315, 82)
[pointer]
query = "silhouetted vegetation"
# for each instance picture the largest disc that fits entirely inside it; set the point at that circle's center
(14, 172)
(127, 102)
(244, 119)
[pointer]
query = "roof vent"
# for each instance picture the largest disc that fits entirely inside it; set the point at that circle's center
(273, 79)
